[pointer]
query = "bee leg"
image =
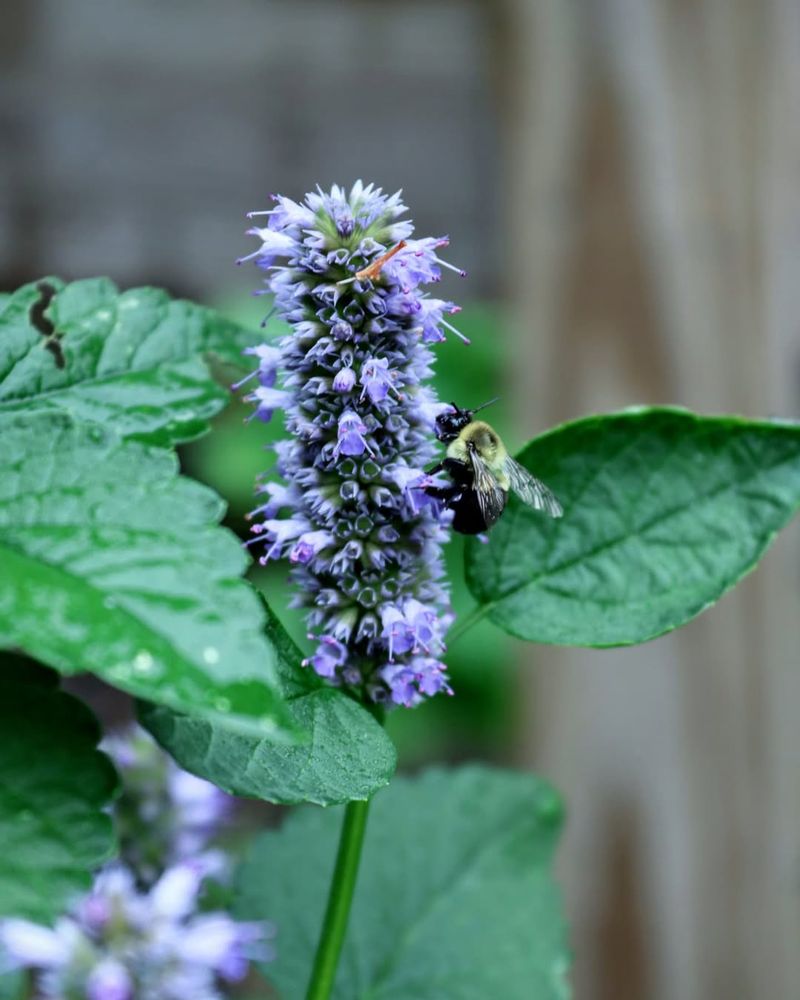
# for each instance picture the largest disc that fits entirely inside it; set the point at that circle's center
(447, 495)
(434, 469)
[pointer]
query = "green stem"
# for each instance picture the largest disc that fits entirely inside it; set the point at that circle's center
(466, 623)
(340, 897)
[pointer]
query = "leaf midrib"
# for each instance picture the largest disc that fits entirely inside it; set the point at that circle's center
(619, 540)
(440, 895)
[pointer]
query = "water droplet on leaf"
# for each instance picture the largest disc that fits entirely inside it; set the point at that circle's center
(143, 662)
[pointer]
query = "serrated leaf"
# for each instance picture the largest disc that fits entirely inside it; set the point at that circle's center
(346, 754)
(131, 360)
(54, 788)
(454, 895)
(664, 511)
(111, 562)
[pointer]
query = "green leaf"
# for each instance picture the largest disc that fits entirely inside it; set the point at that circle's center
(54, 788)
(13, 985)
(111, 562)
(130, 360)
(346, 754)
(454, 896)
(663, 512)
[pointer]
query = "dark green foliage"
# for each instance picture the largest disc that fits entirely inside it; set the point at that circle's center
(54, 788)
(454, 897)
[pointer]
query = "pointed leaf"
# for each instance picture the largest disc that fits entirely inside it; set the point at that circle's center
(346, 754)
(663, 512)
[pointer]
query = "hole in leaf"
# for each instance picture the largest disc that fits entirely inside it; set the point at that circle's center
(41, 322)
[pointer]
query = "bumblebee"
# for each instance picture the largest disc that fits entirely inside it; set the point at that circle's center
(482, 474)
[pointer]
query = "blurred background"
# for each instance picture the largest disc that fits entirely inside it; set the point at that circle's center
(621, 180)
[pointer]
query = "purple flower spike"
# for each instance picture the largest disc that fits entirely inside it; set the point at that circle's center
(363, 540)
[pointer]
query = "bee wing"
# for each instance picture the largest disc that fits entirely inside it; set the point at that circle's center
(530, 490)
(491, 498)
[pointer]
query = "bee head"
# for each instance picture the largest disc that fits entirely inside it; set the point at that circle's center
(450, 423)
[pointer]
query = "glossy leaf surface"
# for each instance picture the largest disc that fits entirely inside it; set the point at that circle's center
(113, 563)
(131, 360)
(663, 512)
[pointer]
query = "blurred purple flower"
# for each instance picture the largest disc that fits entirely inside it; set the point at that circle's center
(154, 945)
(164, 814)
(109, 980)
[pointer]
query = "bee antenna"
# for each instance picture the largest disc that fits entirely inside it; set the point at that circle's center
(484, 405)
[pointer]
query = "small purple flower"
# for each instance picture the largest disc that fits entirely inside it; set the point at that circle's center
(430, 319)
(163, 816)
(27, 944)
(402, 684)
(268, 400)
(268, 360)
(417, 263)
(287, 213)
(330, 655)
(175, 894)
(364, 541)
(431, 675)
(351, 435)
(273, 245)
(221, 944)
(396, 631)
(279, 534)
(344, 380)
(377, 379)
(311, 544)
(109, 980)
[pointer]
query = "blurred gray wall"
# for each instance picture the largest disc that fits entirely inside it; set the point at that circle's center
(653, 164)
(136, 133)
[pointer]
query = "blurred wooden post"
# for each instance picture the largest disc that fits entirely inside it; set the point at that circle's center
(654, 235)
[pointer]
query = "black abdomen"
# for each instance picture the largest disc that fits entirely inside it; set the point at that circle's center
(469, 519)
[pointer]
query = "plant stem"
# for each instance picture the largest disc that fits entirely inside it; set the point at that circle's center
(340, 897)
(466, 623)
